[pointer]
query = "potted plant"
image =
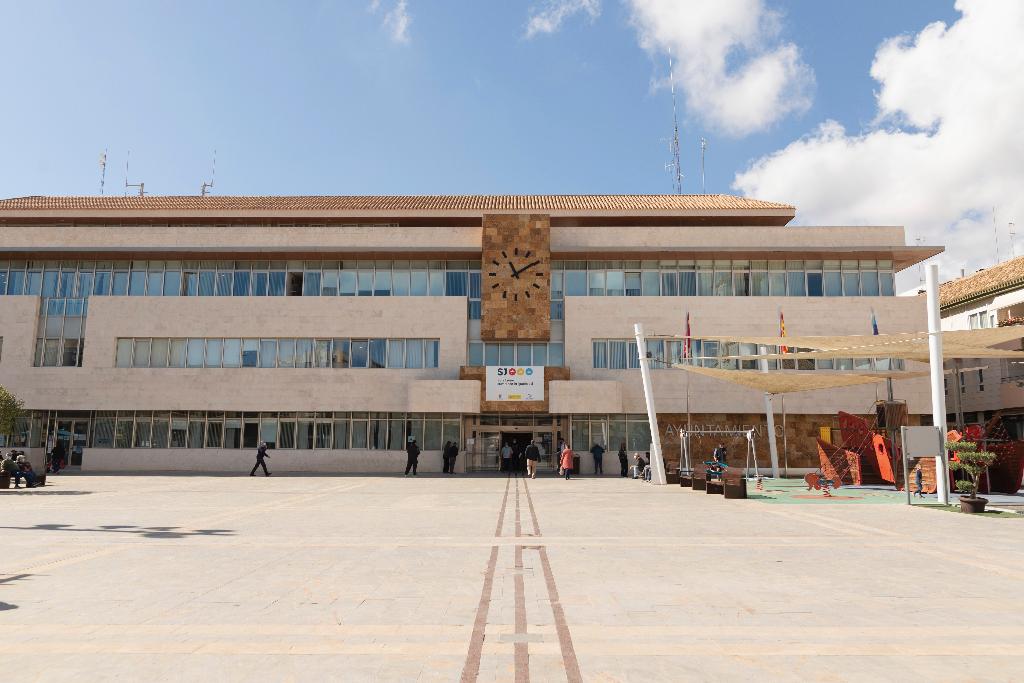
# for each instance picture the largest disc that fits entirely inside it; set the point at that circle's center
(973, 463)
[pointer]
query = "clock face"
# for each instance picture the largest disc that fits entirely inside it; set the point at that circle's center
(516, 275)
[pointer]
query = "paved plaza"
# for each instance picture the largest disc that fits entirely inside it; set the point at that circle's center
(494, 578)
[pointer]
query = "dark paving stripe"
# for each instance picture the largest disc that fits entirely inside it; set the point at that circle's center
(569, 661)
(471, 669)
(522, 652)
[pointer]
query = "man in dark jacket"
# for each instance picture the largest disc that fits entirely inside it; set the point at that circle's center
(412, 452)
(452, 454)
(446, 454)
(597, 450)
(261, 453)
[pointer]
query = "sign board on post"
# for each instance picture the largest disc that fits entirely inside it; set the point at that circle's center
(921, 442)
(515, 383)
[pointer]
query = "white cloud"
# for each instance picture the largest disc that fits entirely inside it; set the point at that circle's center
(396, 20)
(944, 150)
(735, 72)
(548, 17)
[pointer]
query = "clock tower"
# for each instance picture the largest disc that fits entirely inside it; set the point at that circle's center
(516, 278)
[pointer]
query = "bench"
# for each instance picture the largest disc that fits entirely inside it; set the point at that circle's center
(699, 478)
(734, 484)
(685, 477)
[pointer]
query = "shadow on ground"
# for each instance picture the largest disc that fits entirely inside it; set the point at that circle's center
(144, 532)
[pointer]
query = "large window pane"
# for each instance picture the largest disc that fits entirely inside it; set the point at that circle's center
(795, 282)
(214, 352)
(158, 354)
(123, 358)
(575, 283)
(650, 283)
(303, 353)
(378, 353)
(341, 433)
(240, 285)
(214, 432)
(176, 357)
(277, 282)
(851, 284)
(886, 286)
(414, 353)
(268, 353)
(286, 353)
(206, 283)
(339, 353)
(431, 353)
(268, 429)
(322, 353)
(419, 283)
(396, 353)
(232, 353)
(814, 284)
(633, 284)
(196, 352)
(250, 353)
(360, 353)
(141, 358)
(600, 353)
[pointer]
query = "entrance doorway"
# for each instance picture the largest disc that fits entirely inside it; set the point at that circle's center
(518, 441)
(486, 434)
(72, 434)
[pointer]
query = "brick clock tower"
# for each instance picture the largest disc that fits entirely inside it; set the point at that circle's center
(515, 296)
(516, 278)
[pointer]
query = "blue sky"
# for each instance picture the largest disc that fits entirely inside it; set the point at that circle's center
(321, 98)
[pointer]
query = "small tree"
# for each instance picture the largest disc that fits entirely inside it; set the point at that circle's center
(11, 408)
(971, 462)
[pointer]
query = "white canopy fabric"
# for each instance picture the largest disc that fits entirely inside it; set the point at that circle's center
(783, 382)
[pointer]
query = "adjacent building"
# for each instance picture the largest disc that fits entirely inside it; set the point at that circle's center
(993, 297)
(175, 333)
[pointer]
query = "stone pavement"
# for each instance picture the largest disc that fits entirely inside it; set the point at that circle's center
(489, 578)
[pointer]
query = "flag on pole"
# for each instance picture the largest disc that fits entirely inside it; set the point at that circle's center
(874, 323)
(782, 331)
(686, 341)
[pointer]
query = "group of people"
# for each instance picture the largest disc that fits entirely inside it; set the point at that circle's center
(17, 466)
(521, 459)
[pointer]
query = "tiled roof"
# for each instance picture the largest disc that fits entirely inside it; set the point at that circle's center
(1003, 276)
(376, 203)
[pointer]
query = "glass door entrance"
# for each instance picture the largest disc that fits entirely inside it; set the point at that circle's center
(487, 434)
(72, 435)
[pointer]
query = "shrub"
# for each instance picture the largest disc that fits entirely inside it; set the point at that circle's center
(971, 462)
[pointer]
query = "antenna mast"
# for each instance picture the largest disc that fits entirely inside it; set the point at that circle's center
(205, 188)
(103, 170)
(703, 148)
(141, 186)
(995, 233)
(675, 166)
(1013, 234)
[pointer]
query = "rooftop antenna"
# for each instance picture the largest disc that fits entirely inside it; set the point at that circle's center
(1013, 244)
(103, 170)
(703, 148)
(205, 188)
(141, 186)
(995, 233)
(674, 166)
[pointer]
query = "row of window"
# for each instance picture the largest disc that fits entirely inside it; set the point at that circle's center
(321, 430)
(621, 354)
(550, 354)
(74, 279)
(724, 278)
(71, 279)
(164, 352)
(610, 432)
(60, 332)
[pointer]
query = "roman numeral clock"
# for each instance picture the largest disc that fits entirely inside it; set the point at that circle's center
(516, 278)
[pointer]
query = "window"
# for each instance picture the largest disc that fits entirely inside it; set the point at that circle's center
(981, 380)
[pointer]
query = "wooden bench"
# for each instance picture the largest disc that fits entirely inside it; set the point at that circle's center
(699, 478)
(734, 484)
(714, 486)
(685, 477)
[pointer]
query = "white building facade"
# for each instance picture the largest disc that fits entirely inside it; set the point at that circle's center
(174, 333)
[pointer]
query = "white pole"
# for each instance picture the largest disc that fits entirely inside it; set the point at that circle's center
(935, 368)
(657, 463)
(769, 414)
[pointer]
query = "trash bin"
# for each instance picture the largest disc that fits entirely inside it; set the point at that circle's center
(576, 464)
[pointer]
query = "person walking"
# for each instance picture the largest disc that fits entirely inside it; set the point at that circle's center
(261, 453)
(506, 457)
(412, 460)
(446, 456)
(566, 462)
(532, 456)
(597, 450)
(918, 481)
(451, 458)
(623, 460)
(58, 456)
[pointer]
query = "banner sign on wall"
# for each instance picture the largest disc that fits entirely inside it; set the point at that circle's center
(511, 383)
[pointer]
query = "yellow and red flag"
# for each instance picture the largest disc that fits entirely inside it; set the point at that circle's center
(782, 331)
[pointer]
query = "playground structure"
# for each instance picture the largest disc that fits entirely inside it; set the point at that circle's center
(866, 456)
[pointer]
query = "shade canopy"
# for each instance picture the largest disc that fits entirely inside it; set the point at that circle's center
(788, 382)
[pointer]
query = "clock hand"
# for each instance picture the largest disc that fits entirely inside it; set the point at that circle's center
(515, 273)
(528, 266)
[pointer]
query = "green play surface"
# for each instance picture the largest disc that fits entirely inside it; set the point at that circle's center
(794, 491)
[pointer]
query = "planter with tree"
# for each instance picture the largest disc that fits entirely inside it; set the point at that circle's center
(972, 463)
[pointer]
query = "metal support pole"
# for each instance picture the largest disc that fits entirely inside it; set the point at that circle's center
(936, 371)
(657, 462)
(769, 415)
